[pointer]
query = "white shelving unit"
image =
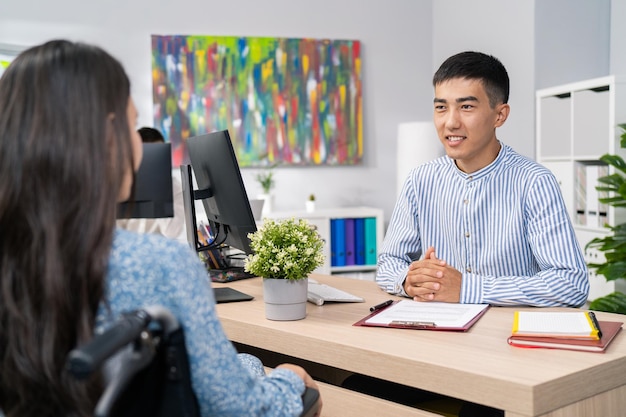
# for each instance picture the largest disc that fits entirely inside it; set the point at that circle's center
(322, 218)
(577, 123)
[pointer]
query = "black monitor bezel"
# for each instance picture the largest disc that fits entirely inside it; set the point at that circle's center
(152, 195)
(221, 190)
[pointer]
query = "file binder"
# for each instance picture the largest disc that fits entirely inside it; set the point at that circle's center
(370, 241)
(333, 242)
(359, 241)
(338, 242)
(350, 242)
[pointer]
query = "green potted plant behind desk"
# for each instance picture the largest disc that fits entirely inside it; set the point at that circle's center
(285, 253)
(614, 244)
(266, 181)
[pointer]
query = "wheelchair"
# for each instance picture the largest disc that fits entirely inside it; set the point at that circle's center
(146, 369)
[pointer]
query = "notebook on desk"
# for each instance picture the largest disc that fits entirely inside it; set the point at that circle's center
(609, 331)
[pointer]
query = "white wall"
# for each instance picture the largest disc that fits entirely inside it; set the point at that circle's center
(575, 46)
(618, 37)
(504, 29)
(396, 53)
(404, 41)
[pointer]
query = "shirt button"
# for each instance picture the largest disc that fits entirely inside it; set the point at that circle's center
(466, 234)
(468, 269)
(470, 178)
(465, 201)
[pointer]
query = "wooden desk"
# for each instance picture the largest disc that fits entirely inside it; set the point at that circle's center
(477, 366)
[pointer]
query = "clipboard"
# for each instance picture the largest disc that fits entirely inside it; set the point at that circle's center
(415, 315)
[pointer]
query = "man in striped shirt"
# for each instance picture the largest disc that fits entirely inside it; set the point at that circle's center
(482, 224)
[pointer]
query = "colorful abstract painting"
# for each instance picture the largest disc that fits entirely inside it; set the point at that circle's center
(7, 55)
(284, 101)
(4, 63)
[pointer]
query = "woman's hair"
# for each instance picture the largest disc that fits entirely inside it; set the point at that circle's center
(64, 148)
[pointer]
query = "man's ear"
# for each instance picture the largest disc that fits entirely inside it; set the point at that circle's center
(503, 114)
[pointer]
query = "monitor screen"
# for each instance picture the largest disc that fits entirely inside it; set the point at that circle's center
(221, 190)
(152, 190)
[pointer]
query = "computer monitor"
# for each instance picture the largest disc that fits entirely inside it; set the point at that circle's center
(152, 194)
(221, 190)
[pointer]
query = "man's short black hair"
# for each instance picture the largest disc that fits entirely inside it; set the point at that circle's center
(150, 135)
(477, 66)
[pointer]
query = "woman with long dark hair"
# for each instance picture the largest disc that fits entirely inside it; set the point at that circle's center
(68, 150)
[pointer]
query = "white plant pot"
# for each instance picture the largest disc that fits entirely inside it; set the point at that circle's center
(268, 205)
(285, 299)
(310, 206)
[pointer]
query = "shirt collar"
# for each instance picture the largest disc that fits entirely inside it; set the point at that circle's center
(483, 172)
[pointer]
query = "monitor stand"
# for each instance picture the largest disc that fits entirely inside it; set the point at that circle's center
(224, 272)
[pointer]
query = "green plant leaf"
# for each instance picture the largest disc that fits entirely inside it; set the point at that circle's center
(614, 179)
(612, 303)
(623, 140)
(615, 161)
(612, 270)
(287, 249)
(614, 245)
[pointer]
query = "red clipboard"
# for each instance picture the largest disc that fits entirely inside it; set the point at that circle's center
(422, 324)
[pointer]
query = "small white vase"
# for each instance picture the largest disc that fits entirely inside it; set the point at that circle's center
(285, 299)
(268, 205)
(310, 206)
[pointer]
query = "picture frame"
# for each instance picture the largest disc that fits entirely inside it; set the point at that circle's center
(284, 101)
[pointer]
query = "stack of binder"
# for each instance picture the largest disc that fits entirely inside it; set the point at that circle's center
(353, 241)
(589, 211)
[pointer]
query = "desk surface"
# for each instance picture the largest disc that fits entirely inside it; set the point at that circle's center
(477, 365)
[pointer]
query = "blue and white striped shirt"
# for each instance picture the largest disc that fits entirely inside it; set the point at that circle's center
(504, 227)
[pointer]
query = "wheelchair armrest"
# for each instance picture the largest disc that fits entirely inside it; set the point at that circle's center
(83, 361)
(310, 402)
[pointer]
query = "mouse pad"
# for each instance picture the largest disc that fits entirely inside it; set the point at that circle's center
(229, 295)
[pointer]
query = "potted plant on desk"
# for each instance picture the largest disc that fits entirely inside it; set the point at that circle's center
(285, 253)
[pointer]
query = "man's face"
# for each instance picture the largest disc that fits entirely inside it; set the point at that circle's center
(466, 123)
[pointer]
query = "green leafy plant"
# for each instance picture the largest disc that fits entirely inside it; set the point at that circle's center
(266, 179)
(614, 244)
(311, 197)
(287, 249)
